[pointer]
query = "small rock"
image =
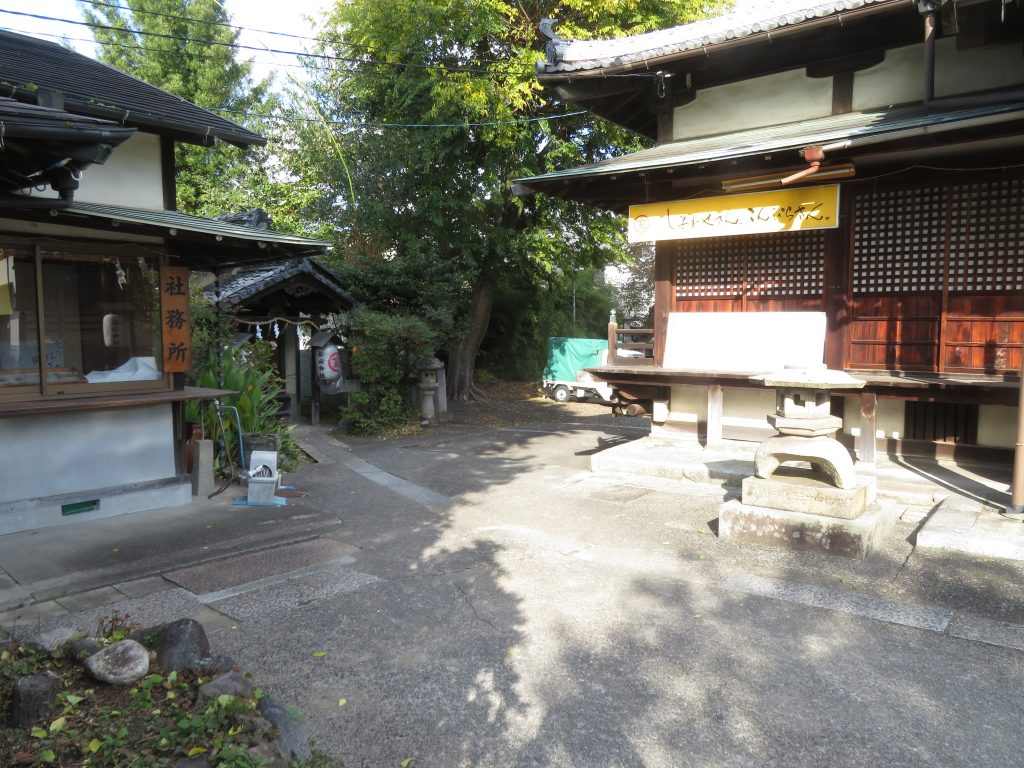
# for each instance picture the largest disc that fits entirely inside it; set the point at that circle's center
(217, 665)
(231, 683)
(34, 699)
(181, 644)
(267, 756)
(84, 647)
(122, 663)
(292, 738)
(193, 762)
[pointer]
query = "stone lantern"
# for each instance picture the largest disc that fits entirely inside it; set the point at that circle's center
(428, 386)
(827, 507)
(803, 417)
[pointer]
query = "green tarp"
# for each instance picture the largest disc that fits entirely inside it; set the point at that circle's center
(568, 356)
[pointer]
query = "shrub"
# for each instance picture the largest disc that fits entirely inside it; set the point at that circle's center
(385, 351)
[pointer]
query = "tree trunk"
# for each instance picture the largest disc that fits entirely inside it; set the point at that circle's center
(462, 351)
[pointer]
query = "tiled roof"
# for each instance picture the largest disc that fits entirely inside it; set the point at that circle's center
(247, 283)
(565, 56)
(166, 221)
(29, 65)
(857, 127)
(24, 118)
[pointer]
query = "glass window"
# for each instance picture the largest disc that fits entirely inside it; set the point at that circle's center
(101, 317)
(89, 320)
(19, 331)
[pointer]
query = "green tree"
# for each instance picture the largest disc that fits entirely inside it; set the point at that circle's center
(184, 47)
(434, 213)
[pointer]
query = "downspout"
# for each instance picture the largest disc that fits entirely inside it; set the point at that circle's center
(814, 156)
(931, 15)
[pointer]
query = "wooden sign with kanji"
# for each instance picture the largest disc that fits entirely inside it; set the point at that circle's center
(174, 319)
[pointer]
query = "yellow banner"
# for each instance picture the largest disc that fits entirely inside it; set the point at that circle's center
(777, 210)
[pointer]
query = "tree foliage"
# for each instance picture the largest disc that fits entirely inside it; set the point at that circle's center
(434, 226)
(185, 47)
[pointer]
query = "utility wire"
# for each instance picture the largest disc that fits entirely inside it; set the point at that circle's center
(347, 124)
(301, 54)
(240, 46)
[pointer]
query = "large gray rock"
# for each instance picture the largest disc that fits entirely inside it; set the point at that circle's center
(181, 644)
(292, 738)
(230, 684)
(34, 699)
(122, 663)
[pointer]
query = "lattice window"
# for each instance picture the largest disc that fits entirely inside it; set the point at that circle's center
(777, 265)
(987, 237)
(708, 267)
(786, 265)
(899, 238)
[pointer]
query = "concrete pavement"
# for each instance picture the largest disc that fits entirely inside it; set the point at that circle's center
(478, 597)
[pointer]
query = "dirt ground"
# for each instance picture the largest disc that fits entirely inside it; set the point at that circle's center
(510, 404)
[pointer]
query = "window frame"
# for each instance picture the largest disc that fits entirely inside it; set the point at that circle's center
(55, 390)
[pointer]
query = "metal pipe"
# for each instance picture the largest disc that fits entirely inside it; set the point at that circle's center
(929, 56)
(800, 175)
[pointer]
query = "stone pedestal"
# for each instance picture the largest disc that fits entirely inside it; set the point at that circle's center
(798, 530)
(798, 491)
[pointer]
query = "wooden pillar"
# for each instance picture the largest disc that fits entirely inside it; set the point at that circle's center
(837, 299)
(613, 341)
(865, 443)
(314, 388)
(664, 256)
(713, 428)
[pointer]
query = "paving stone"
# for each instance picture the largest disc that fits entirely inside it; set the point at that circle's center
(31, 614)
(274, 600)
(232, 571)
(212, 619)
(143, 587)
(94, 598)
(12, 594)
(843, 601)
(981, 630)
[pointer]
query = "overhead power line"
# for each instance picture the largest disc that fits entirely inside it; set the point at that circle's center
(240, 46)
(350, 124)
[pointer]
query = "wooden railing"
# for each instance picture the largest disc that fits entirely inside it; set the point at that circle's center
(617, 343)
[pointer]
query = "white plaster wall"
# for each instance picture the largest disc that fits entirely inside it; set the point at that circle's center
(131, 177)
(77, 452)
(785, 97)
(791, 96)
(900, 78)
(888, 417)
(740, 407)
(997, 426)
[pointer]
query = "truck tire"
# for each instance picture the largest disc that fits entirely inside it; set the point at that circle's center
(561, 394)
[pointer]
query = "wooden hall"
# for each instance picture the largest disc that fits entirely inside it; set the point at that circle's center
(863, 210)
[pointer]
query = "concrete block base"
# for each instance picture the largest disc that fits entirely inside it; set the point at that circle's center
(798, 530)
(202, 468)
(801, 491)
